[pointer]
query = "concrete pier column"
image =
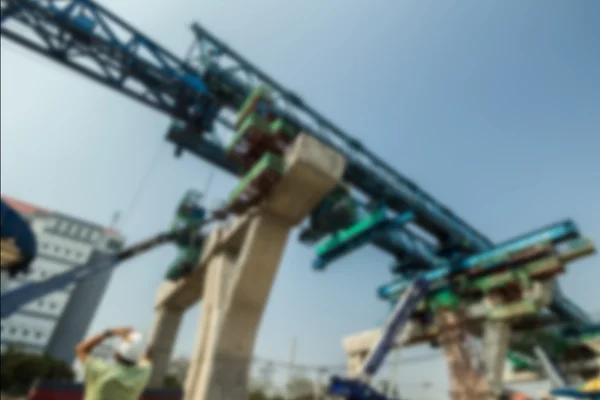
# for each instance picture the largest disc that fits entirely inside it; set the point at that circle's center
(232, 318)
(496, 339)
(219, 269)
(162, 340)
(253, 247)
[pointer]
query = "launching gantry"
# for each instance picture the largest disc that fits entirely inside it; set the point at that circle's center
(83, 36)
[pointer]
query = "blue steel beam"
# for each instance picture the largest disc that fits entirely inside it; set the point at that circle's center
(570, 330)
(411, 247)
(345, 242)
(89, 39)
(490, 259)
(575, 393)
(416, 249)
(389, 235)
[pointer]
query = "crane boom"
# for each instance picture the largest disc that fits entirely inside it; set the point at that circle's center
(358, 388)
(396, 323)
(13, 299)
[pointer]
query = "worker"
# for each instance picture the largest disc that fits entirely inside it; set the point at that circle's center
(123, 379)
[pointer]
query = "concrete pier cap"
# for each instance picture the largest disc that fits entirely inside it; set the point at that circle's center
(312, 170)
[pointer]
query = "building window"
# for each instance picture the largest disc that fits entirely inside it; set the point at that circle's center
(52, 305)
(67, 252)
(95, 235)
(79, 255)
(25, 332)
(45, 246)
(74, 231)
(38, 335)
(63, 226)
(85, 233)
(13, 330)
(56, 249)
(43, 274)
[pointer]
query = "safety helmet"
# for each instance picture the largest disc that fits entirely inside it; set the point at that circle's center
(132, 347)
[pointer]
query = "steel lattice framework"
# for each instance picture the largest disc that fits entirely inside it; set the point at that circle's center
(89, 39)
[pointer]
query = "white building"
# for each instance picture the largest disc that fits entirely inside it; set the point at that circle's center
(53, 324)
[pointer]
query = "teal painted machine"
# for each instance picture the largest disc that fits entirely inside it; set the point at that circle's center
(189, 212)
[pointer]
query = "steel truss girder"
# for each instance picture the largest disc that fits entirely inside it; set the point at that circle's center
(92, 41)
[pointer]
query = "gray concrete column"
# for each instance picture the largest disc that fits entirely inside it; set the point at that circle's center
(219, 269)
(224, 358)
(496, 339)
(162, 341)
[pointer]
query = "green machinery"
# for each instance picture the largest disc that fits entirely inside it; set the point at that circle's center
(188, 213)
(259, 144)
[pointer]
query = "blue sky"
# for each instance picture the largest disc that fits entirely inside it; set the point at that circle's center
(492, 107)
